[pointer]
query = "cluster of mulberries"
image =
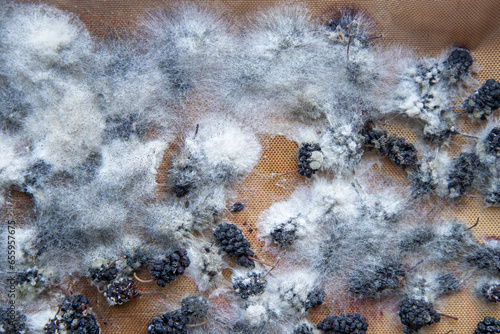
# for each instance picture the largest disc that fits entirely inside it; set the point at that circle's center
(173, 265)
(371, 282)
(484, 101)
(121, 291)
(73, 317)
(252, 285)
(310, 159)
(401, 152)
(417, 313)
(344, 324)
(194, 310)
(232, 241)
(491, 291)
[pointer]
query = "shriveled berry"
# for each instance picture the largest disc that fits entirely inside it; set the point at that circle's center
(173, 265)
(121, 291)
(417, 313)
(344, 324)
(232, 241)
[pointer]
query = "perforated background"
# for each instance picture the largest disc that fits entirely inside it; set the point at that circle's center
(426, 26)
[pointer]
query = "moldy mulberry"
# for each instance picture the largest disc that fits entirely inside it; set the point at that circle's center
(253, 285)
(310, 159)
(173, 265)
(121, 291)
(232, 241)
(488, 325)
(484, 100)
(417, 313)
(170, 323)
(344, 324)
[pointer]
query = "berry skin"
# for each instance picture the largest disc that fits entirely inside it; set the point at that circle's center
(195, 309)
(491, 292)
(232, 241)
(488, 325)
(170, 323)
(310, 159)
(344, 324)
(303, 329)
(121, 291)
(484, 100)
(417, 313)
(253, 285)
(105, 274)
(173, 265)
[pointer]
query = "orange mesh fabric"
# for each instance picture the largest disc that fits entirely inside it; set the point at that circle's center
(427, 27)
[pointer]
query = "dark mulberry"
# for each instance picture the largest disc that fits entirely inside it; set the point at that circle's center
(236, 207)
(373, 281)
(173, 265)
(484, 100)
(73, 317)
(104, 274)
(491, 291)
(344, 324)
(487, 259)
(458, 64)
(195, 309)
(232, 241)
(121, 291)
(417, 313)
(310, 159)
(285, 234)
(488, 325)
(170, 323)
(462, 174)
(303, 329)
(401, 152)
(252, 285)
(492, 142)
(314, 298)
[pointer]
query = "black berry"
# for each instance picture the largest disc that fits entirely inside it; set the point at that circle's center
(491, 291)
(487, 259)
(251, 285)
(310, 159)
(170, 323)
(314, 298)
(462, 174)
(284, 234)
(488, 325)
(195, 309)
(458, 64)
(73, 317)
(236, 207)
(121, 291)
(417, 313)
(232, 241)
(492, 142)
(173, 265)
(372, 281)
(344, 324)
(104, 274)
(12, 322)
(484, 100)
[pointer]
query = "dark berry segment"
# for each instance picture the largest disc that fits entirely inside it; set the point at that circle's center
(30, 276)
(491, 291)
(254, 284)
(314, 298)
(73, 317)
(310, 159)
(484, 100)
(344, 324)
(195, 309)
(12, 321)
(303, 329)
(236, 207)
(417, 313)
(458, 64)
(170, 323)
(232, 241)
(105, 274)
(492, 142)
(173, 265)
(487, 259)
(488, 325)
(372, 281)
(462, 174)
(121, 291)
(401, 152)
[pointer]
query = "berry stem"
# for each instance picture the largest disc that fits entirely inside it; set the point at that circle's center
(274, 266)
(143, 280)
(471, 227)
(448, 316)
(121, 258)
(259, 261)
